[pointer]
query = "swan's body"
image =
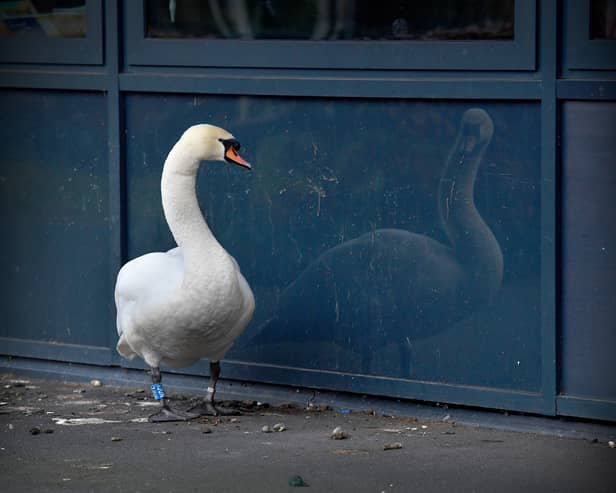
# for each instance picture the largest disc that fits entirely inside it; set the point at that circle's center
(392, 286)
(191, 302)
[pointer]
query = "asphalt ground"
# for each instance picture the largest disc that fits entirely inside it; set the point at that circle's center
(81, 437)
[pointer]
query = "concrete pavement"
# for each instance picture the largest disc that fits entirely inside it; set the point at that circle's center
(75, 436)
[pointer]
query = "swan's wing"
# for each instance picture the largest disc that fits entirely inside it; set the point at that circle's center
(147, 278)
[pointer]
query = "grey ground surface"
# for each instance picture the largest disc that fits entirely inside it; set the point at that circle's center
(45, 447)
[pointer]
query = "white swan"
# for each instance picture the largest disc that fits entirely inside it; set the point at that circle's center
(176, 307)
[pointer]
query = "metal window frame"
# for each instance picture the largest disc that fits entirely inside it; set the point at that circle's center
(518, 54)
(71, 51)
(581, 51)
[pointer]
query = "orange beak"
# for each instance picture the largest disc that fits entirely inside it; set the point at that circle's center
(232, 156)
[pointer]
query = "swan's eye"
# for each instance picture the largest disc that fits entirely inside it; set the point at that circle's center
(230, 143)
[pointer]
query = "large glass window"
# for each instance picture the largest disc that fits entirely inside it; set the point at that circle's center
(379, 236)
(331, 19)
(43, 18)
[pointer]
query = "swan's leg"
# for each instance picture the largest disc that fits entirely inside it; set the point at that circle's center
(165, 413)
(208, 407)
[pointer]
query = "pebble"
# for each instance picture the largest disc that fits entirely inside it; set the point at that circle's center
(297, 481)
(611, 444)
(266, 429)
(37, 430)
(206, 430)
(392, 446)
(339, 434)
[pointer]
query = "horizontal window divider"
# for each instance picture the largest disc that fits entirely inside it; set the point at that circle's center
(333, 86)
(42, 79)
(586, 89)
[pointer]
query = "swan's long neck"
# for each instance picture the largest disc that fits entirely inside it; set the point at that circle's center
(182, 211)
(473, 242)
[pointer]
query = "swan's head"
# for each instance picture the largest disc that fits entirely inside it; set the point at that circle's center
(209, 143)
(476, 130)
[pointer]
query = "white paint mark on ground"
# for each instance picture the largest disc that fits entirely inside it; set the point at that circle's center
(82, 421)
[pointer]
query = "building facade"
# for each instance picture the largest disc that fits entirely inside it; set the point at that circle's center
(429, 212)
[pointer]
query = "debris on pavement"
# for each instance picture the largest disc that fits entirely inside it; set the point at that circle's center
(279, 427)
(297, 481)
(82, 421)
(611, 444)
(392, 446)
(351, 451)
(96, 383)
(339, 434)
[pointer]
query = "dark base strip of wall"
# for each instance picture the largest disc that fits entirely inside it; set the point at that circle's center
(124, 377)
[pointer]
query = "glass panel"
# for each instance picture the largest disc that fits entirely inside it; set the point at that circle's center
(589, 243)
(603, 19)
(331, 19)
(358, 232)
(43, 18)
(54, 214)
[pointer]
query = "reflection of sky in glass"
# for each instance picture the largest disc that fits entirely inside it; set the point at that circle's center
(332, 19)
(328, 173)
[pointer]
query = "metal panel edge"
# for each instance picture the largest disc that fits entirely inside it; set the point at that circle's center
(549, 136)
(485, 397)
(603, 90)
(56, 351)
(38, 79)
(580, 407)
(505, 89)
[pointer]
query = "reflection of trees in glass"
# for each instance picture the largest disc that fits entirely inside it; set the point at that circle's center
(51, 18)
(332, 19)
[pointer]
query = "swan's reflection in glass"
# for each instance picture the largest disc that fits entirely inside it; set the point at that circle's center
(388, 238)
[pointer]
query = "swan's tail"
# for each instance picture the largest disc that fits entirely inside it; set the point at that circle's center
(124, 348)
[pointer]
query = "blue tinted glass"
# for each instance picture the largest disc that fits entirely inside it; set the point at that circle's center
(54, 260)
(381, 237)
(589, 243)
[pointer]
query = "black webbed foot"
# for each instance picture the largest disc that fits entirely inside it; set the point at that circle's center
(166, 414)
(210, 409)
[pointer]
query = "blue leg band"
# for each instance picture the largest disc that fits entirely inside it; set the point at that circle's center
(157, 391)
